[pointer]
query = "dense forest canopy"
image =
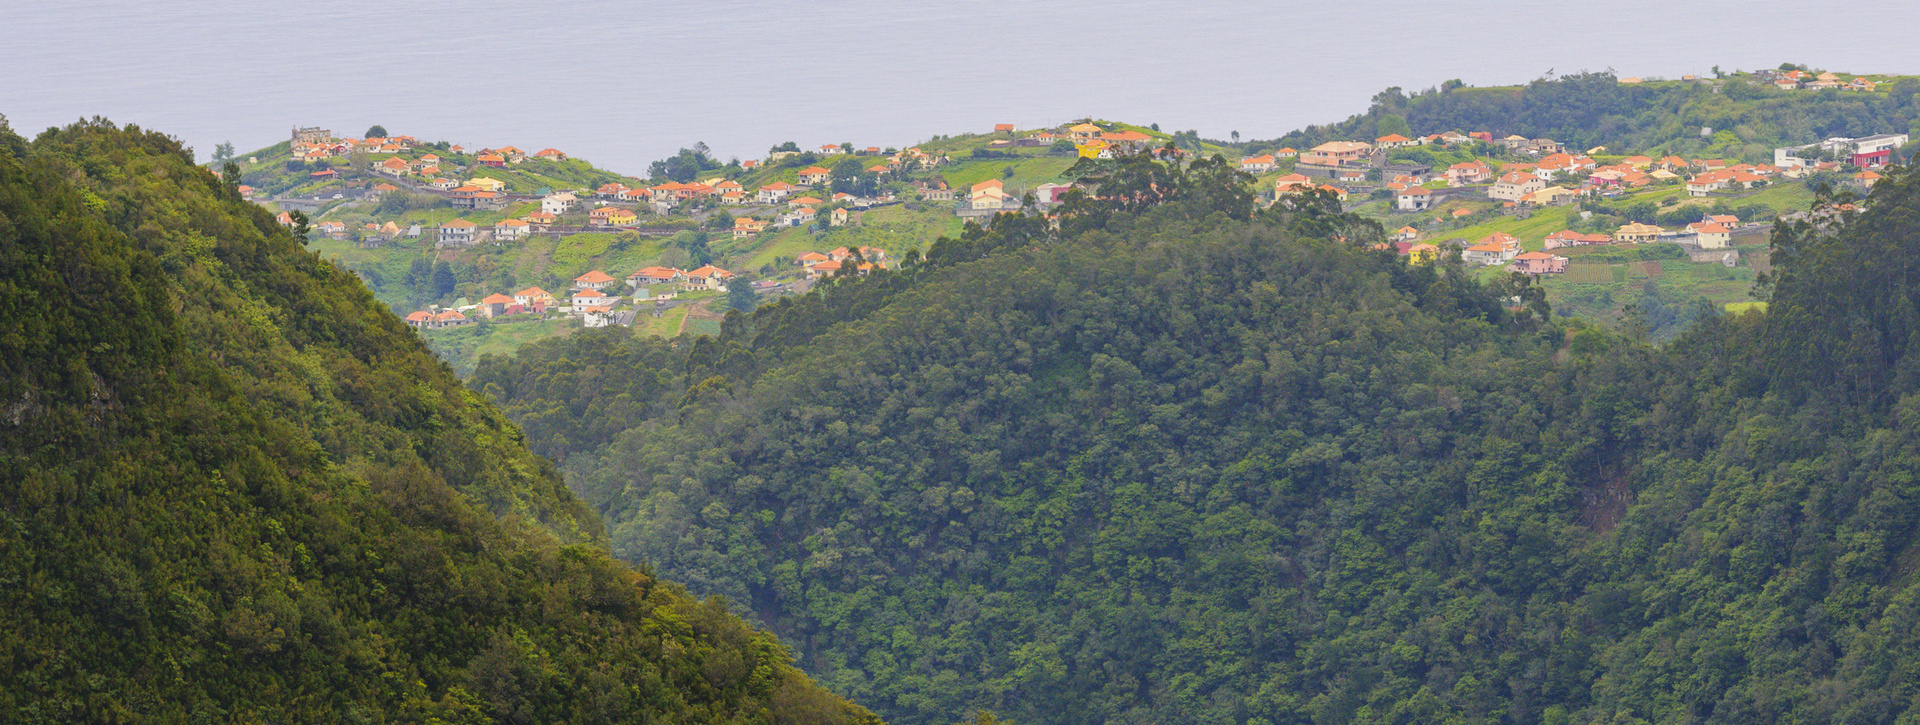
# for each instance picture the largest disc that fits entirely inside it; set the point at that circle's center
(237, 489)
(1179, 461)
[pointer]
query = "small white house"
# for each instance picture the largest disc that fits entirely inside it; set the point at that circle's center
(557, 204)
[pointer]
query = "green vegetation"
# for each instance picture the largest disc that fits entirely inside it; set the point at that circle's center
(1179, 462)
(462, 347)
(237, 489)
(1748, 117)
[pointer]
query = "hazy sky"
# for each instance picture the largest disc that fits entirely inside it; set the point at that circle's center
(624, 83)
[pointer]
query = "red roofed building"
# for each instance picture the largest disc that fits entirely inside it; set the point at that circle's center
(594, 280)
(709, 277)
(1710, 235)
(533, 298)
(591, 298)
(1539, 263)
(495, 305)
(1414, 199)
(1394, 141)
(1515, 185)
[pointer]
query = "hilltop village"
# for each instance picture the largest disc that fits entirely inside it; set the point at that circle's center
(453, 236)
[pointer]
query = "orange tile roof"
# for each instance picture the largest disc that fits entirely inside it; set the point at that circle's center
(497, 299)
(593, 277)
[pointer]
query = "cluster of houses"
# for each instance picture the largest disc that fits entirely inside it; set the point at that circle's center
(594, 295)
(1803, 80)
(1555, 176)
(1712, 232)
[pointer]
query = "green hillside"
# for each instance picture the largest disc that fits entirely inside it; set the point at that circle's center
(1745, 116)
(238, 489)
(1178, 462)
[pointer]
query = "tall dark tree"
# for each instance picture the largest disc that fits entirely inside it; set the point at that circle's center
(742, 296)
(301, 225)
(443, 279)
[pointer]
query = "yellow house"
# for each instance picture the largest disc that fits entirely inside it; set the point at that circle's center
(486, 184)
(1422, 254)
(1636, 233)
(611, 216)
(1092, 149)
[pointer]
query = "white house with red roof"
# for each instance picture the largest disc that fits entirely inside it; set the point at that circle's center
(594, 280)
(1489, 253)
(1394, 141)
(457, 233)
(1711, 235)
(508, 230)
(1414, 199)
(1514, 186)
(775, 192)
(591, 298)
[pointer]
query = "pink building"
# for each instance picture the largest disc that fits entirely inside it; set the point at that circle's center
(1539, 263)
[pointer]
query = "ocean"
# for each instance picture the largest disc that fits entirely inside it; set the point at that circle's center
(622, 84)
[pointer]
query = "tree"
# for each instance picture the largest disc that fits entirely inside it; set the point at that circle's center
(694, 243)
(223, 151)
(230, 173)
(1391, 99)
(1062, 147)
(419, 276)
(443, 280)
(684, 166)
(1394, 123)
(376, 131)
(300, 225)
(848, 176)
(741, 296)
(1236, 136)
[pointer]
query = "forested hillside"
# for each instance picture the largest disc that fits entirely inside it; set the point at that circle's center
(1184, 462)
(1745, 117)
(237, 489)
